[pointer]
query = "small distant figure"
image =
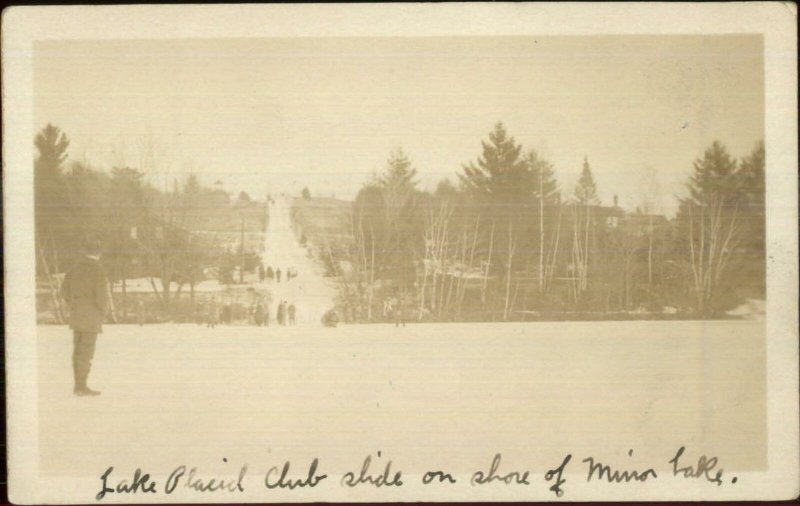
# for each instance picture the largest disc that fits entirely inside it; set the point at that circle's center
(266, 315)
(140, 312)
(258, 314)
(261, 274)
(292, 313)
(399, 313)
(280, 315)
(251, 314)
(278, 275)
(270, 274)
(213, 313)
(330, 318)
(226, 314)
(388, 309)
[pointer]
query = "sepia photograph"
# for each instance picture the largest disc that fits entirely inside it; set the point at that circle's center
(397, 267)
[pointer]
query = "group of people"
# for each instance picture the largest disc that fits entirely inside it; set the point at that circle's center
(257, 314)
(214, 314)
(287, 313)
(270, 274)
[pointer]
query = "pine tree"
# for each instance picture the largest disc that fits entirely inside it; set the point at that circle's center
(398, 188)
(714, 176)
(398, 179)
(751, 180)
(501, 180)
(545, 186)
(711, 223)
(586, 189)
(52, 145)
(52, 199)
(446, 190)
(500, 170)
(753, 217)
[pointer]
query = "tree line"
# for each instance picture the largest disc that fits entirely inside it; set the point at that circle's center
(507, 242)
(146, 231)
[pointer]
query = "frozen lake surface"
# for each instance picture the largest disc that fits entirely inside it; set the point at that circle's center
(422, 394)
(427, 396)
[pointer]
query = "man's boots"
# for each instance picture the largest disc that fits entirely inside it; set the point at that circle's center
(81, 374)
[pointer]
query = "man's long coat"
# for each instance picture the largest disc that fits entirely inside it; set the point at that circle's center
(85, 289)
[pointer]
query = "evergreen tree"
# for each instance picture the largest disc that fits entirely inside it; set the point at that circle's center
(52, 200)
(713, 176)
(710, 221)
(500, 170)
(586, 189)
(52, 145)
(398, 179)
(191, 195)
(446, 190)
(752, 266)
(368, 218)
(306, 193)
(751, 182)
(545, 186)
(398, 188)
(503, 184)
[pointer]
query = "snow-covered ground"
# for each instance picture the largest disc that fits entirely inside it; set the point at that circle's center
(425, 395)
(752, 309)
(310, 292)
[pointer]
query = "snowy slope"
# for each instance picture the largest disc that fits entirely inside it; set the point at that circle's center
(311, 293)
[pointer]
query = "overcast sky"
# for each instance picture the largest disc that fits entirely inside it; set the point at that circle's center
(279, 114)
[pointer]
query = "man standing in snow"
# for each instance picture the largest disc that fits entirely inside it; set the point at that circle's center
(85, 289)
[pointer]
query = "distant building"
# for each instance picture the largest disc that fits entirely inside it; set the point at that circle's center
(640, 224)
